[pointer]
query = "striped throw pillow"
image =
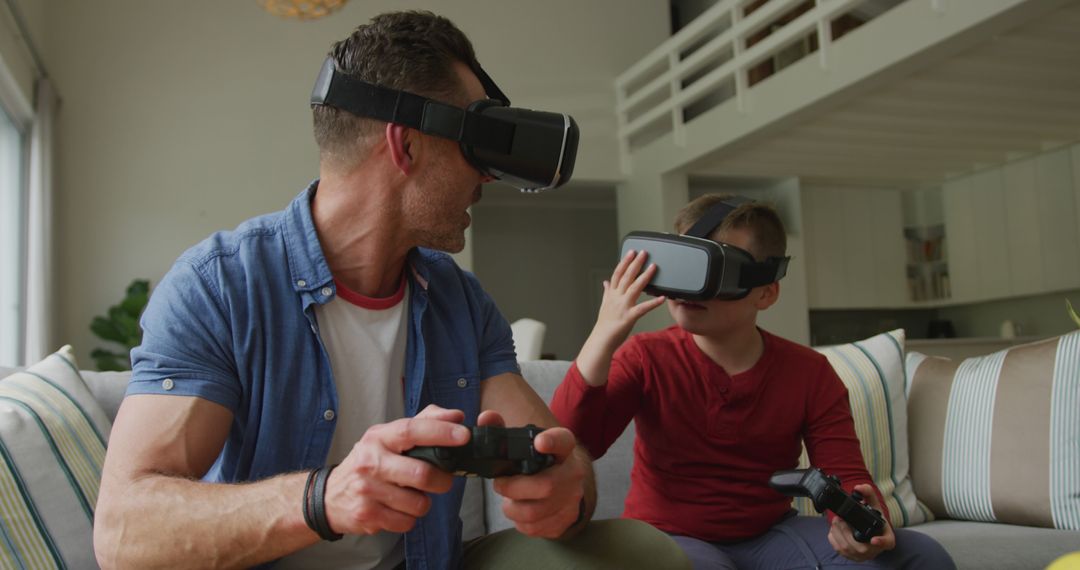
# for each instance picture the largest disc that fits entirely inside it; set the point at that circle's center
(997, 438)
(52, 445)
(873, 372)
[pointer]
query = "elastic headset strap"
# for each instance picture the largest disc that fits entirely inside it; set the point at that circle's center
(714, 216)
(431, 117)
(489, 86)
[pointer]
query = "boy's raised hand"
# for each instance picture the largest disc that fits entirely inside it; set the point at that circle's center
(619, 311)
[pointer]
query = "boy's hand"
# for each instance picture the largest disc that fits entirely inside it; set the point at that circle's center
(843, 540)
(619, 311)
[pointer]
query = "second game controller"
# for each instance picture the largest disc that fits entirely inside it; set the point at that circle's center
(827, 494)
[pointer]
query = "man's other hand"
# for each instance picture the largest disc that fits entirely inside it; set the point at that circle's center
(547, 503)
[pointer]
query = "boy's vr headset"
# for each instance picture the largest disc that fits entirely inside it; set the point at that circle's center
(695, 268)
(530, 150)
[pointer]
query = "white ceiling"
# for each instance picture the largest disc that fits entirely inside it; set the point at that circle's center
(1012, 95)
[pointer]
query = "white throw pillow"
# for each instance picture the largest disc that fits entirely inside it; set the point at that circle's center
(873, 372)
(52, 442)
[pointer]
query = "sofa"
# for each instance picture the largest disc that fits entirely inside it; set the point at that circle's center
(50, 490)
(920, 387)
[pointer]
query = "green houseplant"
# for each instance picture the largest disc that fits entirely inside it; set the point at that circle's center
(121, 326)
(1072, 313)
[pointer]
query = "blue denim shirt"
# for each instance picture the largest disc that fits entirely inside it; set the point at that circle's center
(233, 321)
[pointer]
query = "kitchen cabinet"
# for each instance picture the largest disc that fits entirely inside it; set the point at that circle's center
(855, 247)
(1013, 229)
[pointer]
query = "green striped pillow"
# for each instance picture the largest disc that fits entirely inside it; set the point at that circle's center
(997, 438)
(52, 445)
(873, 372)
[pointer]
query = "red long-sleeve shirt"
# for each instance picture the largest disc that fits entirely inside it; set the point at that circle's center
(708, 442)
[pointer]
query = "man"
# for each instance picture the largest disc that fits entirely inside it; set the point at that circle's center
(720, 405)
(328, 333)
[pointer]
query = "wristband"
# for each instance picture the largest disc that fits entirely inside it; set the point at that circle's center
(316, 505)
(308, 519)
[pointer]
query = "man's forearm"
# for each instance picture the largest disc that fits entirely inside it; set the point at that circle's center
(165, 522)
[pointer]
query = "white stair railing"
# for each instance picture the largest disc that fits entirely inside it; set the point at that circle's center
(653, 95)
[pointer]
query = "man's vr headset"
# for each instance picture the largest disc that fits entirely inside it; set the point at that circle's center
(695, 268)
(530, 150)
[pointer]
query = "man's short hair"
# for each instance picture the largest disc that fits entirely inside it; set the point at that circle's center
(768, 238)
(411, 51)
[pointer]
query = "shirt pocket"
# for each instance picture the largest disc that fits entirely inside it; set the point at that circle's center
(457, 392)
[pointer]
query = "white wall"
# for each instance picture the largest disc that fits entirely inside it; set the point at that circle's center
(545, 256)
(182, 118)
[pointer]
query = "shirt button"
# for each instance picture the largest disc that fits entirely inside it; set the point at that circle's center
(326, 291)
(168, 384)
(328, 415)
(301, 283)
(461, 383)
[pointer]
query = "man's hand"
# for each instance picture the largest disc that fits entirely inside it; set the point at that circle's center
(547, 503)
(619, 311)
(843, 540)
(376, 488)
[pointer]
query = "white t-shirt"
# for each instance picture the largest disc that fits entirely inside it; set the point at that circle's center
(365, 340)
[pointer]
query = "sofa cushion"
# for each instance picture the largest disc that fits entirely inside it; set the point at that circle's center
(873, 372)
(52, 442)
(992, 546)
(108, 388)
(612, 470)
(994, 438)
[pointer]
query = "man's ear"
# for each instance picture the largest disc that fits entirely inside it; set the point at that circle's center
(768, 296)
(399, 140)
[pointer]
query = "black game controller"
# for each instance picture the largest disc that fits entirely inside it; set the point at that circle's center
(826, 493)
(491, 452)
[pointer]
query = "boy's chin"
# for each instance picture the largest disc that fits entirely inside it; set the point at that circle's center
(693, 323)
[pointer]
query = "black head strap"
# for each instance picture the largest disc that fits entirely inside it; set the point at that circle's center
(714, 216)
(489, 86)
(431, 117)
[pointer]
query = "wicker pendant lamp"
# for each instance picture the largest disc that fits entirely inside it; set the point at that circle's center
(301, 9)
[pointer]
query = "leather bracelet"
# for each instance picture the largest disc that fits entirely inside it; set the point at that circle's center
(308, 520)
(318, 502)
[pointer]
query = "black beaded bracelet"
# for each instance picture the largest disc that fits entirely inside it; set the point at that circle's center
(315, 505)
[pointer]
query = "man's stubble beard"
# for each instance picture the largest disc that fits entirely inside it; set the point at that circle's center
(436, 228)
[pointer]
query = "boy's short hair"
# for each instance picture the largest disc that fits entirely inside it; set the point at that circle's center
(768, 238)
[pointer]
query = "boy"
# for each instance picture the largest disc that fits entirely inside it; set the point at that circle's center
(719, 406)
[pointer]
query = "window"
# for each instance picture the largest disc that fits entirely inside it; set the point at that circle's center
(12, 239)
